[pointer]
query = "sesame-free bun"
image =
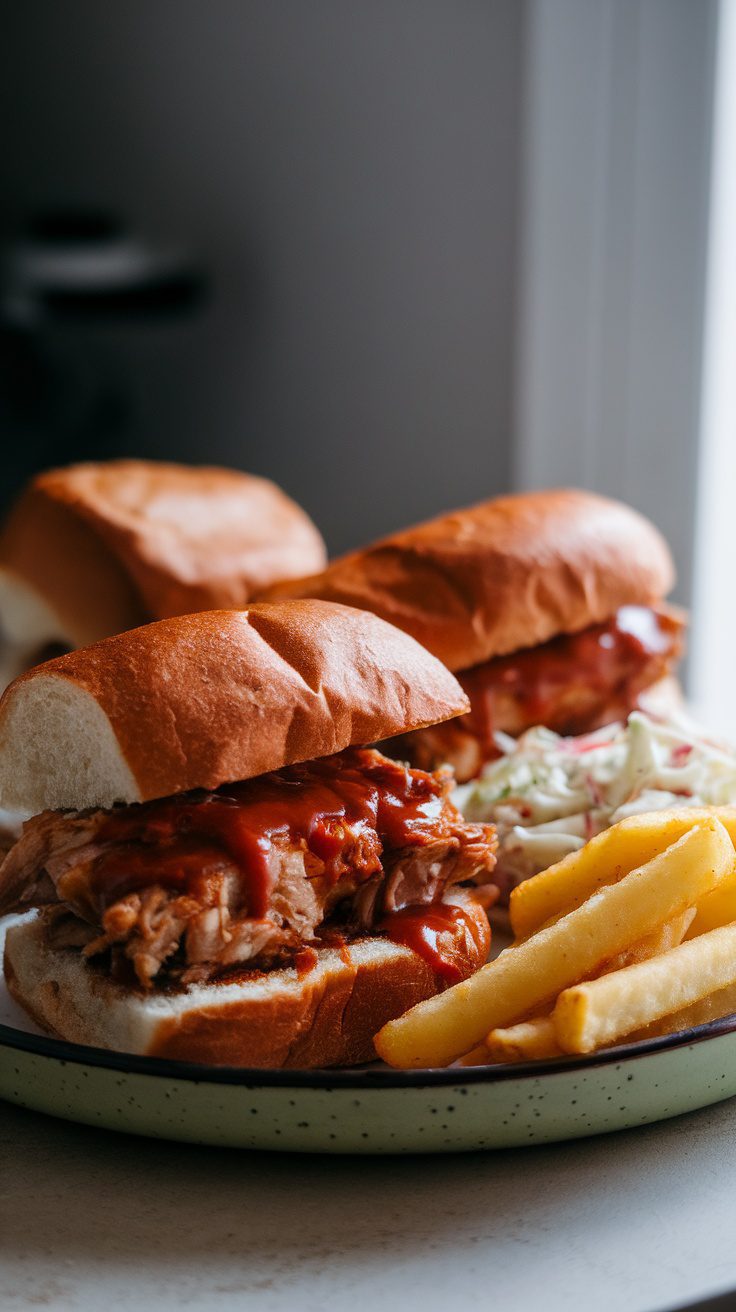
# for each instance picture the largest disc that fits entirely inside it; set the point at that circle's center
(503, 575)
(107, 546)
(200, 700)
(278, 1018)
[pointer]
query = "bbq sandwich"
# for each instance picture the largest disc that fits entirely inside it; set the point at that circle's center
(224, 870)
(547, 606)
(94, 549)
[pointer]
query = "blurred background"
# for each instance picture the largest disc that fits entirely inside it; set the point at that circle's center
(398, 255)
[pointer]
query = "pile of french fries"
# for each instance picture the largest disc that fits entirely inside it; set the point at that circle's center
(632, 936)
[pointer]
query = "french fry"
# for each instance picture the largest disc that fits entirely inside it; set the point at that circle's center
(535, 1039)
(663, 939)
(530, 1040)
(478, 1056)
(526, 976)
(601, 1011)
(712, 1007)
(604, 860)
(718, 908)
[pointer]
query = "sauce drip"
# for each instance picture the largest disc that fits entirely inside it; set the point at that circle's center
(603, 661)
(305, 961)
(346, 810)
(437, 932)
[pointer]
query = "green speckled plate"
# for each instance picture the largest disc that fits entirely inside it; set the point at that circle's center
(368, 1110)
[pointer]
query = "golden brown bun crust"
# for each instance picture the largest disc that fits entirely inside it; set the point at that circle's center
(503, 575)
(332, 1024)
(111, 545)
(329, 1019)
(62, 558)
(200, 700)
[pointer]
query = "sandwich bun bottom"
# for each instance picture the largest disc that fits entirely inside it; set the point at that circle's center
(269, 1019)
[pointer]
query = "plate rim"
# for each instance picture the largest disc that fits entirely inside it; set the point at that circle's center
(327, 1079)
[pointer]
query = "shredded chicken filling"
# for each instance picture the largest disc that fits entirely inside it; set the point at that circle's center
(337, 843)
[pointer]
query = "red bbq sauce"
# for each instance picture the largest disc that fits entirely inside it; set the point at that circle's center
(437, 932)
(171, 842)
(605, 658)
(305, 961)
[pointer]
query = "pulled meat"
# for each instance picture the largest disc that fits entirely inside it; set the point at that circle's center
(188, 887)
(573, 684)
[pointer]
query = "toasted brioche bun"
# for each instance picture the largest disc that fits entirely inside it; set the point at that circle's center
(201, 700)
(108, 546)
(326, 1017)
(503, 575)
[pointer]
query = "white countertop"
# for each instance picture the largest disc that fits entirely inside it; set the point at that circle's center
(641, 1220)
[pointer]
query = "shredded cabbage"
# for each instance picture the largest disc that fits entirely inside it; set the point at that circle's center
(548, 795)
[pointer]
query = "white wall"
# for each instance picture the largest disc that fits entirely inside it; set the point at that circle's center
(615, 207)
(713, 660)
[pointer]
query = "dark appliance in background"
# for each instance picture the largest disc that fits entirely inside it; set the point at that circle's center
(348, 177)
(73, 287)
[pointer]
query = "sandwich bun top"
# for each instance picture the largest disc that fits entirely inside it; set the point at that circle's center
(201, 700)
(502, 575)
(111, 545)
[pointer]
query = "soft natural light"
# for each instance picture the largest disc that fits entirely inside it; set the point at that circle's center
(713, 636)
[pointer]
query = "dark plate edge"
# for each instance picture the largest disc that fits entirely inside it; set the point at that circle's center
(363, 1078)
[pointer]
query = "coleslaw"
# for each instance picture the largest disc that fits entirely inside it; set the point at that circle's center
(547, 795)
